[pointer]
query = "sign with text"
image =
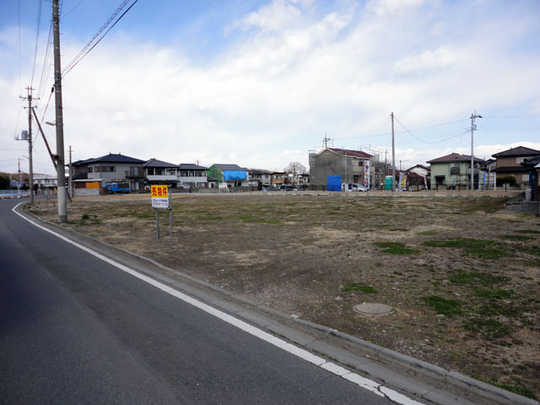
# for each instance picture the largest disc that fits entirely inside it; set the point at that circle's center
(160, 196)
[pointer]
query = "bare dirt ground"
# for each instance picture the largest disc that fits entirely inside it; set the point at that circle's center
(462, 276)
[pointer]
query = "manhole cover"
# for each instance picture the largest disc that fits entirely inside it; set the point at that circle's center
(372, 308)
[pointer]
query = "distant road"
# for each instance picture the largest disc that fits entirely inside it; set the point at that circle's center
(76, 330)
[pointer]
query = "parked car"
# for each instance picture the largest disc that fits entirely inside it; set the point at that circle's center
(355, 187)
(114, 188)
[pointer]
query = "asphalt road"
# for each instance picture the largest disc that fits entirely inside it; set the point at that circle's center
(76, 330)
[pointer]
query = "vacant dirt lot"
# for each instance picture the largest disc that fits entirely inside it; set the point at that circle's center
(462, 277)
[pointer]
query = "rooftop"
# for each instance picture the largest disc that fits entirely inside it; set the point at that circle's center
(517, 151)
(228, 166)
(351, 152)
(455, 157)
(158, 163)
(191, 166)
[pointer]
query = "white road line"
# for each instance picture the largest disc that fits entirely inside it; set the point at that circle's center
(333, 368)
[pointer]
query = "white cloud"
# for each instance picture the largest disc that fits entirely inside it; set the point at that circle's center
(439, 58)
(294, 75)
(382, 7)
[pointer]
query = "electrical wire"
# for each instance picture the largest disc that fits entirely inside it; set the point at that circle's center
(37, 42)
(72, 9)
(431, 141)
(45, 67)
(98, 37)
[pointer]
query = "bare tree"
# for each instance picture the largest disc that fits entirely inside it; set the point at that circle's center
(295, 168)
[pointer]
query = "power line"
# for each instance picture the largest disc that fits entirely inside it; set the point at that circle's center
(72, 9)
(37, 42)
(98, 37)
(45, 60)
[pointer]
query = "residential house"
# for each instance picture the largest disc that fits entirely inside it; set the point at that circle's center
(111, 168)
(302, 179)
(508, 164)
(417, 177)
(44, 181)
(160, 172)
(259, 178)
(192, 175)
(279, 178)
(533, 167)
(453, 171)
(228, 173)
(353, 166)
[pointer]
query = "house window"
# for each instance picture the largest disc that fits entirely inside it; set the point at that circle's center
(454, 171)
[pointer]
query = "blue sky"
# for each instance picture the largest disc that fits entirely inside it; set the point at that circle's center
(259, 83)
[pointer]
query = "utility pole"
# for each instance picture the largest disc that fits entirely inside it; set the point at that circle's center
(20, 177)
(70, 175)
(60, 169)
(30, 161)
(393, 156)
(473, 128)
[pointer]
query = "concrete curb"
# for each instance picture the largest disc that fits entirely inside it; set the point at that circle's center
(443, 386)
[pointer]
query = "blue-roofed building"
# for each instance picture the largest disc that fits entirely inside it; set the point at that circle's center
(231, 174)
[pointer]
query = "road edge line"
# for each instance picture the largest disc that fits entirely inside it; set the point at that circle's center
(331, 367)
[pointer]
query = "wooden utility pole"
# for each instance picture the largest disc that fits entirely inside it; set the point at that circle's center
(473, 128)
(60, 169)
(29, 139)
(70, 175)
(393, 156)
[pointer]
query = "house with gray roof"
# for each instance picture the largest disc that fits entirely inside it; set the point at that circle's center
(192, 175)
(160, 172)
(509, 163)
(112, 168)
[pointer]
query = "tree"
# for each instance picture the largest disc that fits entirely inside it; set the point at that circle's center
(295, 168)
(4, 181)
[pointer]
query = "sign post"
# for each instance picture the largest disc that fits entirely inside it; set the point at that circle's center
(161, 200)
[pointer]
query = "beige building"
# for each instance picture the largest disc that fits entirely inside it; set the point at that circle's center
(509, 163)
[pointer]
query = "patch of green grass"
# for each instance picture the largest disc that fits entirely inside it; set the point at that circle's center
(488, 252)
(259, 220)
(498, 293)
(428, 233)
(470, 277)
(399, 230)
(210, 218)
(460, 243)
(444, 306)
(533, 250)
(533, 231)
(85, 217)
(495, 309)
(395, 248)
(89, 219)
(359, 287)
(488, 328)
(517, 237)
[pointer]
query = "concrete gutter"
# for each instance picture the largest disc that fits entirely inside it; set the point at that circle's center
(418, 379)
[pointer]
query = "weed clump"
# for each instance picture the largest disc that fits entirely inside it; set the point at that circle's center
(489, 328)
(444, 306)
(395, 248)
(367, 289)
(472, 277)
